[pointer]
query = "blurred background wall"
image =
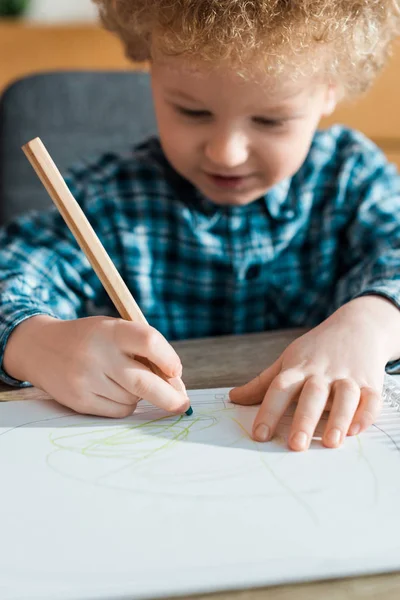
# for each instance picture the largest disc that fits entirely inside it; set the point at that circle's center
(61, 10)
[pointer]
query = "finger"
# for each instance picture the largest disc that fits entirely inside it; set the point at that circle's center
(93, 404)
(346, 396)
(142, 340)
(108, 388)
(282, 391)
(368, 410)
(310, 406)
(138, 380)
(254, 391)
(128, 409)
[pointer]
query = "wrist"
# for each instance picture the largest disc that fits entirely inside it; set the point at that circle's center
(22, 354)
(378, 314)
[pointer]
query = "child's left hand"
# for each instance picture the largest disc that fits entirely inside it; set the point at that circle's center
(340, 363)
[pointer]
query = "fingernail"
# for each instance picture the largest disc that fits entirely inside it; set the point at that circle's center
(355, 429)
(300, 440)
(333, 437)
(261, 433)
(232, 393)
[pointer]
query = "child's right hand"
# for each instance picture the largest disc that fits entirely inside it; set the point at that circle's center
(88, 364)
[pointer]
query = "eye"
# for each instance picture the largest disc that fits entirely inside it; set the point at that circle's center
(270, 122)
(195, 114)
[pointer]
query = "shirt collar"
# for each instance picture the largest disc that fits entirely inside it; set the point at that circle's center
(280, 202)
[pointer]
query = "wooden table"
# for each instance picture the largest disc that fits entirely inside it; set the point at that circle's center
(227, 361)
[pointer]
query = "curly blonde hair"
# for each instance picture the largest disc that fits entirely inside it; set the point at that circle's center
(352, 36)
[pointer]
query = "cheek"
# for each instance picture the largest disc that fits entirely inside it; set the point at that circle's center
(178, 142)
(169, 128)
(278, 160)
(286, 156)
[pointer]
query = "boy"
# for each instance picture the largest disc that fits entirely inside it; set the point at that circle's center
(241, 217)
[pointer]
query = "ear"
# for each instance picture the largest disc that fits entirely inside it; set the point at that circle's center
(331, 100)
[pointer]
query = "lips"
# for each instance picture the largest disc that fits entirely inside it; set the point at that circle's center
(226, 182)
(228, 176)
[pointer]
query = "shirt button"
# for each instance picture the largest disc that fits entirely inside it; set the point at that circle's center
(253, 272)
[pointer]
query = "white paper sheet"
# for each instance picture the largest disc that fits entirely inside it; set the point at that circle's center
(153, 506)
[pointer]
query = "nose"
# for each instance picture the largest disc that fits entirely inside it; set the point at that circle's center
(228, 150)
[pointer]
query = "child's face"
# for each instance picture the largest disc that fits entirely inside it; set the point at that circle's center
(232, 138)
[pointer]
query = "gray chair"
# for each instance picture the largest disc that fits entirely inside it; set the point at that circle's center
(77, 115)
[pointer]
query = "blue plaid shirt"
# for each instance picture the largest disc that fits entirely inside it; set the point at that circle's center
(316, 240)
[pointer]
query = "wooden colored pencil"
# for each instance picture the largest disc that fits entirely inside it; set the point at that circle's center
(88, 241)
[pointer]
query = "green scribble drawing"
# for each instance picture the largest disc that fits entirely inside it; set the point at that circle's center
(141, 443)
(135, 455)
(132, 442)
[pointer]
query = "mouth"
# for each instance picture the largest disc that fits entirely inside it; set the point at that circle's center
(227, 182)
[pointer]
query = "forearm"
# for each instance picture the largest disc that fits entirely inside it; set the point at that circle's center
(53, 278)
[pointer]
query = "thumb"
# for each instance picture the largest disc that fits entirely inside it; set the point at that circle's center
(254, 391)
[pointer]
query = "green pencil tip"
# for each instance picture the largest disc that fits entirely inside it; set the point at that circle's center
(189, 411)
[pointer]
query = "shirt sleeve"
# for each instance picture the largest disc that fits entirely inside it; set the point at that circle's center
(369, 257)
(42, 271)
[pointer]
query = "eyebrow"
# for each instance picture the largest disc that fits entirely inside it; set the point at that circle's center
(272, 109)
(183, 95)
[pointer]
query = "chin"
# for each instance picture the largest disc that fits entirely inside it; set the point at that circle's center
(234, 198)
